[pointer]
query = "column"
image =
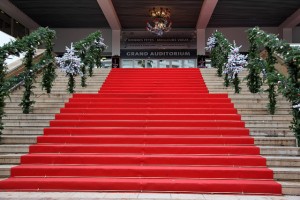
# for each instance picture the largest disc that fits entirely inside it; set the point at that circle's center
(200, 41)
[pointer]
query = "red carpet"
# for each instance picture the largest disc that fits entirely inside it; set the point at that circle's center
(147, 130)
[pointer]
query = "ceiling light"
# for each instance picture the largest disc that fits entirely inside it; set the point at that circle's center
(161, 22)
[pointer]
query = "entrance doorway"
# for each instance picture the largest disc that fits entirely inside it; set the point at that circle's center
(155, 63)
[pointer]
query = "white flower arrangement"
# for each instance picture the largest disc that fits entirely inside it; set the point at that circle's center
(297, 106)
(236, 62)
(69, 62)
(211, 43)
(99, 43)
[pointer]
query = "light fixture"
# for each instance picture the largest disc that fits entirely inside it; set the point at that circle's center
(160, 21)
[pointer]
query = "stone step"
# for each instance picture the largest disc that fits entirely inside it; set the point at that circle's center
(45, 122)
(260, 141)
(280, 174)
(262, 133)
(287, 117)
(272, 161)
(286, 174)
(26, 123)
(38, 105)
(14, 148)
(263, 121)
(283, 161)
(262, 111)
(265, 150)
(35, 110)
(279, 151)
(13, 117)
(62, 92)
(10, 159)
(265, 125)
(23, 131)
(290, 188)
(253, 105)
(18, 139)
(275, 141)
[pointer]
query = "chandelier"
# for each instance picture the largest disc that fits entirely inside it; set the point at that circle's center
(160, 21)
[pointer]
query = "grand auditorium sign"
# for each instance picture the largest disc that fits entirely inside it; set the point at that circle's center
(158, 53)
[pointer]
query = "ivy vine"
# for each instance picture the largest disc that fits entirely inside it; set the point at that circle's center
(89, 50)
(255, 64)
(27, 45)
(289, 86)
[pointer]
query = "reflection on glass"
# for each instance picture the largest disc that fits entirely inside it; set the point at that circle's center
(164, 63)
(127, 63)
(189, 63)
(176, 64)
(154, 63)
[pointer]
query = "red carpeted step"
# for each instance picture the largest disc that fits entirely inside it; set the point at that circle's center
(144, 148)
(152, 100)
(200, 172)
(145, 123)
(150, 110)
(217, 131)
(146, 105)
(88, 116)
(146, 130)
(155, 95)
(143, 185)
(139, 159)
(136, 139)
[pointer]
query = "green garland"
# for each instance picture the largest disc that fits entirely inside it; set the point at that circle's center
(3, 90)
(89, 52)
(29, 78)
(288, 87)
(26, 44)
(236, 83)
(49, 74)
(223, 49)
(254, 80)
(226, 80)
(71, 84)
(259, 39)
(219, 52)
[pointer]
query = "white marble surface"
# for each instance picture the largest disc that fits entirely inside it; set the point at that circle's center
(132, 196)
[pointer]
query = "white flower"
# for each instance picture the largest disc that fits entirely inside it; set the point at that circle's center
(69, 62)
(297, 106)
(236, 62)
(211, 43)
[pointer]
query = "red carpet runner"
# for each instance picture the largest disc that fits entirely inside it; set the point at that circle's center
(146, 130)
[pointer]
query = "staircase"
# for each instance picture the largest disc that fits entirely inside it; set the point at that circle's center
(271, 132)
(153, 130)
(21, 130)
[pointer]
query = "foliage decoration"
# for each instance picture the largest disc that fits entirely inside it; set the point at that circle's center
(90, 50)
(49, 74)
(259, 39)
(255, 64)
(26, 44)
(289, 87)
(28, 82)
(222, 49)
(70, 63)
(235, 64)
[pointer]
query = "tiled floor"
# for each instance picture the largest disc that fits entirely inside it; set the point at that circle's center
(131, 196)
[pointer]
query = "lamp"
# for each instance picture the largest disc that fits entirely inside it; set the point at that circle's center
(160, 21)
